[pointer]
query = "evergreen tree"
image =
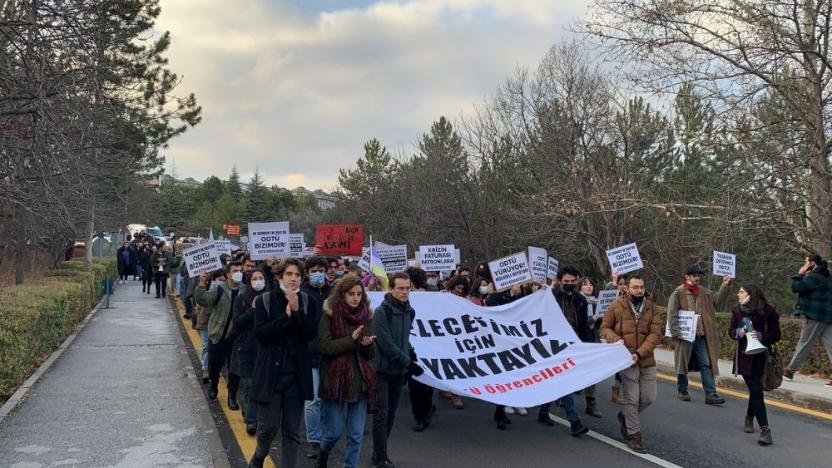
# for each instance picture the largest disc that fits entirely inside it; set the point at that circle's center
(233, 186)
(257, 200)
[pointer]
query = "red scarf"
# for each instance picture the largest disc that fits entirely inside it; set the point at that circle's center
(693, 288)
(340, 368)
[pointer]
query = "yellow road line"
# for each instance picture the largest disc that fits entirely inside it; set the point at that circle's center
(769, 401)
(235, 420)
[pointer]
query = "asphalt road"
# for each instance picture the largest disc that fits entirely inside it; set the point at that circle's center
(124, 395)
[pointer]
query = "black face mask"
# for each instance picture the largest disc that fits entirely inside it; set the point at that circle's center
(570, 288)
(637, 300)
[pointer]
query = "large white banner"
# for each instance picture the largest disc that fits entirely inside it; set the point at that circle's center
(520, 354)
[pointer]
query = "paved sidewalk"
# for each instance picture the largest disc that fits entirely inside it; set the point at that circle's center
(802, 391)
(121, 395)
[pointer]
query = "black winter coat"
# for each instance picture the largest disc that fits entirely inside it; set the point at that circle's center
(316, 307)
(242, 329)
(274, 330)
(581, 307)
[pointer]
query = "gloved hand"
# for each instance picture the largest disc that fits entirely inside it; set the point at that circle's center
(414, 370)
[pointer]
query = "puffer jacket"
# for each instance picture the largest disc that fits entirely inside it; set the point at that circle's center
(640, 337)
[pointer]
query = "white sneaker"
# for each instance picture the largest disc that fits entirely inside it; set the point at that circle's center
(522, 411)
(509, 410)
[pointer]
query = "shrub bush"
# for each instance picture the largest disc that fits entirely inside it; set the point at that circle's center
(36, 318)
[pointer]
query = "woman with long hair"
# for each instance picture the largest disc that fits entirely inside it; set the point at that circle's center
(348, 379)
(753, 317)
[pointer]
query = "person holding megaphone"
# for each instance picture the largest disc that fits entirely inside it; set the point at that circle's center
(755, 325)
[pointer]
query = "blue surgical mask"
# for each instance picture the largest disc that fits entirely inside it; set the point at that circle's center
(339, 273)
(317, 279)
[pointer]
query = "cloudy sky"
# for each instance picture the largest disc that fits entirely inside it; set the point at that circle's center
(294, 88)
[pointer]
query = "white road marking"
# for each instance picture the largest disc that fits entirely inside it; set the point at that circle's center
(619, 445)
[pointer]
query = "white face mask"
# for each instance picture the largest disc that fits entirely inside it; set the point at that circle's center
(745, 300)
(237, 277)
(258, 285)
(283, 286)
(483, 290)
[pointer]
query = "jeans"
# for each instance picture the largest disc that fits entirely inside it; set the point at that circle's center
(283, 412)
(812, 331)
(639, 384)
(138, 272)
(699, 350)
(333, 414)
(567, 402)
(219, 355)
(203, 337)
(389, 394)
(756, 401)
(174, 283)
(312, 410)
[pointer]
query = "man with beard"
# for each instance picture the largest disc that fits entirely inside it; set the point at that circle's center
(634, 319)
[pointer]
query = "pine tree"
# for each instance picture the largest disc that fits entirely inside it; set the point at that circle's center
(233, 186)
(257, 200)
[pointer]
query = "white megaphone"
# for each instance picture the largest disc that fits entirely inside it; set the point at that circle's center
(753, 345)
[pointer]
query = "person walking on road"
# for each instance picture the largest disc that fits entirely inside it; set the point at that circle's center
(634, 320)
(814, 302)
(282, 374)
(316, 287)
(703, 353)
(125, 262)
(394, 359)
(574, 308)
(217, 303)
(160, 262)
(244, 352)
(587, 290)
(754, 318)
(348, 378)
(421, 395)
(145, 256)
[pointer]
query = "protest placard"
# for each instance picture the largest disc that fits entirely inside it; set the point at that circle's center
(297, 245)
(268, 239)
(393, 257)
(511, 270)
(605, 300)
(687, 325)
(437, 257)
(340, 239)
(725, 264)
(223, 246)
(520, 354)
(202, 258)
(539, 264)
(625, 259)
(364, 262)
(552, 269)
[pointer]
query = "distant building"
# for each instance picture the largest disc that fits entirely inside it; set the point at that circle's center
(326, 201)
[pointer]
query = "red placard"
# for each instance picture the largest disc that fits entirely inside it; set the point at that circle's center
(232, 229)
(340, 239)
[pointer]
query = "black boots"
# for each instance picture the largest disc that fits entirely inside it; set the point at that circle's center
(323, 458)
(232, 402)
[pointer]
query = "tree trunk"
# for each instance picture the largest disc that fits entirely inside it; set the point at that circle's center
(90, 239)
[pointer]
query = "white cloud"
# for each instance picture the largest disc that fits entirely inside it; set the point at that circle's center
(296, 94)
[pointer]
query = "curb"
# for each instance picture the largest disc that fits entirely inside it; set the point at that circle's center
(23, 391)
(792, 397)
(219, 456)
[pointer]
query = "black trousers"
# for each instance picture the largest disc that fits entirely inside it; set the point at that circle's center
(283, 413)
(421, 399)
(147, 279)
(389, 394)
(756, 403)
(161, 280)
(220, 355)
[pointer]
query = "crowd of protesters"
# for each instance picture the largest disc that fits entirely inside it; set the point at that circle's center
(298, 340)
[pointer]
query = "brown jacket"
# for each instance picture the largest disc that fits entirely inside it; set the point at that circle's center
(640, 338)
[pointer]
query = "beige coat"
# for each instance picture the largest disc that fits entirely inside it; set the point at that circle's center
(705, 305)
